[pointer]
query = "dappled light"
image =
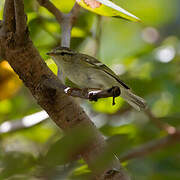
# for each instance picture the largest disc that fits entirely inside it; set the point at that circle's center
(145, 55)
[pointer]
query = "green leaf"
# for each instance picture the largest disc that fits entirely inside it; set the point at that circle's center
(107, 8)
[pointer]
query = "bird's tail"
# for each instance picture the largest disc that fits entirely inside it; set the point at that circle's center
(135, 101)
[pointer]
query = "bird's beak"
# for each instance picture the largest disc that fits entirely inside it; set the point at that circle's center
(51, 53)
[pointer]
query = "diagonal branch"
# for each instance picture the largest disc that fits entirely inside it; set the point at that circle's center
(20, 19)
(52, 8)
(74, 12)
(65, 20)
(161, 125)
(25, 122)
(150, 147)
(8, 16)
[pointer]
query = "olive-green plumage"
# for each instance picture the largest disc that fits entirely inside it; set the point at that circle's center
(88, 72)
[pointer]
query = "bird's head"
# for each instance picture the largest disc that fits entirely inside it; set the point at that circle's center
(61, 52)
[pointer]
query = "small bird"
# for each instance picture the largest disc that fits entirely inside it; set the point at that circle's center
(88, 72)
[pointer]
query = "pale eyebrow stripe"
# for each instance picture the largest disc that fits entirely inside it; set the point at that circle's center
(99, 64)
(63, 53)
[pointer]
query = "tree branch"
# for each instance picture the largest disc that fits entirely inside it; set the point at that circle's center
(74, 12)
(161, 125)
(53, 9)
(20, 19)
(62, 109)
(66, 27)
(91, 94)
(2, 55)
(67, 24)
(9, 16)
(150, 147)
(65, 20)
(97, 35)
(36, 118)
(25, 122)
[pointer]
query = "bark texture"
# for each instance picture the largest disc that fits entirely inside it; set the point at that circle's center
(17, 48)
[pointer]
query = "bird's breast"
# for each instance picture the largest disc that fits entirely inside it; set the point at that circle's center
(87, 77)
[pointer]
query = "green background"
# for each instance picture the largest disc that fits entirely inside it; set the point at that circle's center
(147, 57)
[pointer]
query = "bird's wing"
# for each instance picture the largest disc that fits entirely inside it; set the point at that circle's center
(98, 65)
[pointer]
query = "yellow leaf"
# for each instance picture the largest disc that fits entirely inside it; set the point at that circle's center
(107, 8)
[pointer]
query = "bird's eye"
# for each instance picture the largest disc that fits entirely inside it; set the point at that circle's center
(66, 53)
(63, 53)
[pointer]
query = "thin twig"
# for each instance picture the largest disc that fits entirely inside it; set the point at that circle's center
(151, 147)
(66, 25)
(25, 122)
(52, 8)
(162, 125)
(66, 22)
(74, 13)
(97, 35)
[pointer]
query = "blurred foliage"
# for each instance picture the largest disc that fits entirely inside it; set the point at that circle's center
(8, 80)
(147, 57)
